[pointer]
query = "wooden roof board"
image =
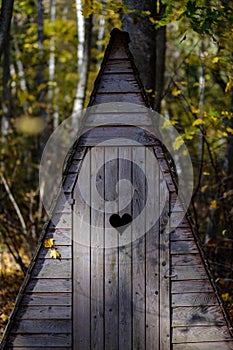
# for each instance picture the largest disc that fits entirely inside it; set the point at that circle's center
(198, 320)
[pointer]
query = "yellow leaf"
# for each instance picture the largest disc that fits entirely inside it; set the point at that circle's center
(229, 84)
(49, 243)
(87, 8)
(225, 296)
(213, 204)
(204, 188)
(178, 142)
(176, 92)
(216, 59)
(230, 130)
(198, 121)
(54, 254)
(194, 109)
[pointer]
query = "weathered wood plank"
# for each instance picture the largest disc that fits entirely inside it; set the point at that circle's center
(118, 66)
(164, 263)
(79, 153)
(111, 251)
(31, 347)
(197, 316)
(46, 299)
(52, 268)
(133, 97)
(194, 299)
(195, 272)
(183, 247)
(68, 182)
(138, 253)
(97, 251)
(118, 107)
(42, 326)
(61, 220)
(117, 135)
(139, 119)
(191, 286)
(73, 167)
(81, 258)
(181, 234)
(125, 253)
(227, 345)
(44, 312)
(34, 340)
(118, 83)
(48, 285)
(65, 251)
(152, 257)
(186, 259)
(178, 220)
(202, 334)
(61, 236)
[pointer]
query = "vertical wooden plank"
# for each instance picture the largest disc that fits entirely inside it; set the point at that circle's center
(152, 254)
(165, 274)
(81, 261)
(97, 244)
(138, 252)
(111, 250)
(125, 297)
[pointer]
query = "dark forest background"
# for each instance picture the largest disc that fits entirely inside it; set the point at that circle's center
(51, 51)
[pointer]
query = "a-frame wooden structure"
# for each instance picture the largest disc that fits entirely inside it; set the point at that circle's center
(108, 291)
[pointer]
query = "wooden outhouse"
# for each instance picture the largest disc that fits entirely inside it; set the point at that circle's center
(129, 277)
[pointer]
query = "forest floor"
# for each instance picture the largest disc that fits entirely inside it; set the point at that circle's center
(11, 278)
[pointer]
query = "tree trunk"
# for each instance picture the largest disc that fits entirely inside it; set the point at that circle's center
(147, 46)
(5, 21)
(84, 28)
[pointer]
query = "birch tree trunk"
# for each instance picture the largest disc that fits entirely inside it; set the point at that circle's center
(84, 28)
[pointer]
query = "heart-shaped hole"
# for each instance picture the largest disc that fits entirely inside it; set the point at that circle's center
(120, 223)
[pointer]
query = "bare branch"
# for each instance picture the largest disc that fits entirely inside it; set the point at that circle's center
(15, 205)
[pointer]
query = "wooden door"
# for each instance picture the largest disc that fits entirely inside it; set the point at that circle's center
(120, 251)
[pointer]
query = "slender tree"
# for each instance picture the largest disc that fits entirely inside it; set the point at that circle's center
(5, 21)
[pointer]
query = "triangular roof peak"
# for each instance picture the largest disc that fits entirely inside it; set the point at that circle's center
(118, 79)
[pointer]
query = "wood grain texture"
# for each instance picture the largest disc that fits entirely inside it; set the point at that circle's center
(134, 97)
(204, 315)
(195, 272)
(194, 299)
(227, 345)
(111, 252)
(42, 326)
(138, 247)
(196, 286)
(47, 299)
(152, 258)
(183, 247)
(118, 83)
(164, 263)
(202, 334)
(44, 312)
(52, 268)
(97, 251)
(139, 119)
(48, 286)
(116, 136)
(34, 340)
(181, 234)
(81, 259)
(118, 66)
